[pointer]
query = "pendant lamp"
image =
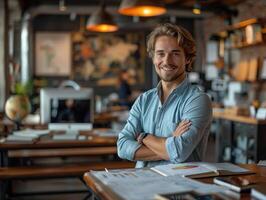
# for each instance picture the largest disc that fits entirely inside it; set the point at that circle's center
(142, 8)
(101, 21)
(196, 9)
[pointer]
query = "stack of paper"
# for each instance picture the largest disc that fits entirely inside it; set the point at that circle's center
(31, 133)
(135, 184)
(26, 135)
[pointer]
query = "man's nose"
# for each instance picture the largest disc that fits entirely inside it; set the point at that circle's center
(167, 59)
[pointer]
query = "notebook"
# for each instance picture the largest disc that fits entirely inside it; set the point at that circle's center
(235, 183)
(200, 169)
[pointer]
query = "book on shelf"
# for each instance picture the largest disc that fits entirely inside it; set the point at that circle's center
(253, 69)
(259, 191)
(200, 169)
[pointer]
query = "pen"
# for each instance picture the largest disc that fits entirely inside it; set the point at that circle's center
(106, 170)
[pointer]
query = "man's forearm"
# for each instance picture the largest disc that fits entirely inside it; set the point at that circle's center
(156, 145)
(145, 154)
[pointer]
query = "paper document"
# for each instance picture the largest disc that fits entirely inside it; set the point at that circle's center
(135, 184)
(33, 133)
(181, 169)
(125, 175)
(11, 138)
(229, 167)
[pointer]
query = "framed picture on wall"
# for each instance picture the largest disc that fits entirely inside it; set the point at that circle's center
(52, 54)
(98, 59)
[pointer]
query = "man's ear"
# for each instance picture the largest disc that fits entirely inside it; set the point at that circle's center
(188, 60)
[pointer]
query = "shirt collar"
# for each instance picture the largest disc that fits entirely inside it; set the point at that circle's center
(179, 89)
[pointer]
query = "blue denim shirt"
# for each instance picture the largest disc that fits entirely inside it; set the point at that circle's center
(149, 115)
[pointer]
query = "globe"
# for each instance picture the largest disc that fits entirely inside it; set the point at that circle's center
(17, 107)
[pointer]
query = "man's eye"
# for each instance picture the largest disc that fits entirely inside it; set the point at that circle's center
(160, 54)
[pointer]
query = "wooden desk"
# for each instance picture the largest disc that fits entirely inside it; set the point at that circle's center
(239, 139)
(46, 147)
(105, 118)
(105, 193)
(237, 118)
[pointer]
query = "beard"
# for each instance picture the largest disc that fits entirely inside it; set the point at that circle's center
(171, 76)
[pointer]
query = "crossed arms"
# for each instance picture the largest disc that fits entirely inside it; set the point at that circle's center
(175, 148)
(153, 147)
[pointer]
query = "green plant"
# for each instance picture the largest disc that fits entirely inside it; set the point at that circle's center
(24, 88)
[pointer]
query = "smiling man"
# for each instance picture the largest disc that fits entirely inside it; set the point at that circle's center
(170, 123)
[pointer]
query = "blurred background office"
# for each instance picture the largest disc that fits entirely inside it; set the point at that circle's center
(49, 43)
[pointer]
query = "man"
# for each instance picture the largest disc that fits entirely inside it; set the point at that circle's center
(170, 123)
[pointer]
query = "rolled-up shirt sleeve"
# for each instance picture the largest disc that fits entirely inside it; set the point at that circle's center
(198, 110)
(126, 143)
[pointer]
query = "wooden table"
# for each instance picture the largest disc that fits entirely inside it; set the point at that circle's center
(93, 146)
(105, 193)
(239, 139)
(46, 147)
(237, 118)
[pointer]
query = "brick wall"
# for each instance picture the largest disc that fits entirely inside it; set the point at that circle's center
(246, 10)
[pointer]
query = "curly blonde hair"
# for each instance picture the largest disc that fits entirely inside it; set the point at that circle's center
(184, 39)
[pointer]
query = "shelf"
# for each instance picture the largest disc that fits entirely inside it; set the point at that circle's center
(247, 45)
(245, 23)
(237, 118)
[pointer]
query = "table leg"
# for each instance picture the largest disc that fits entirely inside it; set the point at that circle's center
(3, 183)
(3, 158)
(3, 190)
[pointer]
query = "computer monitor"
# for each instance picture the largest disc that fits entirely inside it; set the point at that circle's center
(66, 105)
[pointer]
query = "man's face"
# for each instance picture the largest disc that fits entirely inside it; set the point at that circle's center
(169, 59)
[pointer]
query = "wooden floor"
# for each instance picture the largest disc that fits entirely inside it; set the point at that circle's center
(70, 184)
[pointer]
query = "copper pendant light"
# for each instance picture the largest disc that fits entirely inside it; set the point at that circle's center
(142, 8)
(196, 8)
(101, 21)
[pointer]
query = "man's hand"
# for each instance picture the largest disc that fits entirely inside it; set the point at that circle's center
(137, 137)
(182, 127)
(140, 137)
